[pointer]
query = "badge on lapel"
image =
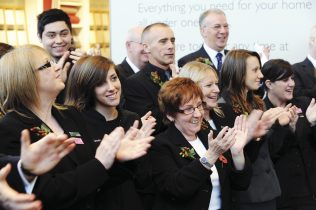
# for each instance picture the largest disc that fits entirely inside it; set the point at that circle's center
(77, 137)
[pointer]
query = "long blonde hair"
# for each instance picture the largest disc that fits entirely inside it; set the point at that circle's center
(18, 80)
(197, 71)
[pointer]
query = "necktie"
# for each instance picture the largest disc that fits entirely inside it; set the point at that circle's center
(167, 74)
(219, 61)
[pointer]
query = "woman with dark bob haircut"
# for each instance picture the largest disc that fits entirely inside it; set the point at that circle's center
(295, 151)
(241, 77)
(191, 169)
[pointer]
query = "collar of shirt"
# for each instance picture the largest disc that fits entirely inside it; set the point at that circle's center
(212, 54)
(313, 60)
(130, 63)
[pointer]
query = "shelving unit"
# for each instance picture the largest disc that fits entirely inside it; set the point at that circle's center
(77, 11)
(13, 25)
(18, 22)
(99, 31)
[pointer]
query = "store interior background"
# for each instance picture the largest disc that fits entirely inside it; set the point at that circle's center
(90, 21)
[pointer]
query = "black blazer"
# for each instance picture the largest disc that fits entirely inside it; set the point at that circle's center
(124, 69)
(293, 156)
(141, 93)
(305, 81)
(185, 183)
(258, 153)
(75, 181)
(193, 56)
(120, 193)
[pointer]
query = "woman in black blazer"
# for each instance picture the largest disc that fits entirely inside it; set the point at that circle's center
(241, 76)
(185, 156)
(30, 82)
(94, 88)
(294, 154)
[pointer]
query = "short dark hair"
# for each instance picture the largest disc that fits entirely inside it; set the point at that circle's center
(177, 92)
(4, 48)
(50, 16)
(276, 69)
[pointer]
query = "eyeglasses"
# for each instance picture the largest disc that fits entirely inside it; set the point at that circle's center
(218, 27)
(46, 65)
(190, 110)
(136, 42)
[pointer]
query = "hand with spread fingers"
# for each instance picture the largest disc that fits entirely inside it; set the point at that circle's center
(223, 142)
(43, 155)
(134, 145)
(241, 131)
(12, 200)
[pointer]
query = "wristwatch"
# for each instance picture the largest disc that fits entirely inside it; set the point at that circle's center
(205, 162)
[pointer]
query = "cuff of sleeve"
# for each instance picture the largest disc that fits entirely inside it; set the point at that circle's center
(27, 185)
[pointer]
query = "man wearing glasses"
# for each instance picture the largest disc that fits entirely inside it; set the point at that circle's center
(136, 56)
(215, 32)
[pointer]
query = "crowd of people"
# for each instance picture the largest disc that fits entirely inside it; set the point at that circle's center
(219, 130)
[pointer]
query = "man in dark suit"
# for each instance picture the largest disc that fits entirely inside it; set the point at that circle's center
(142, 88)
(214, 30)
(136, 56)
(305, 71)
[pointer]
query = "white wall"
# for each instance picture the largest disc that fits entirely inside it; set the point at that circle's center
(282, 24)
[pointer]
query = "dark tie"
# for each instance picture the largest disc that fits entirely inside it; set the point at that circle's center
(167, 74)
(219, 61)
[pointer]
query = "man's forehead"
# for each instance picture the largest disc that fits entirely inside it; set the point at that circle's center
(159, 33)
(56, 27)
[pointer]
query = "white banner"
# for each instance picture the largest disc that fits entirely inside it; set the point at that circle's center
(283, 25)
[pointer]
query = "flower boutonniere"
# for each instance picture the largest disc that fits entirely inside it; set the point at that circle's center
(188, 153)
(154, 76)
(41, 131)
(223, 159)
(205, 60)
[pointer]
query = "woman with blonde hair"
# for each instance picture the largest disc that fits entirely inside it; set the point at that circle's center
(29, 84)
(206, 77)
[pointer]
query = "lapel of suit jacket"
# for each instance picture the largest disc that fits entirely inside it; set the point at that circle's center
(309, 68)
(83, 150)
(127, 68)
(179, 141)
(67, 125)
(203, 54)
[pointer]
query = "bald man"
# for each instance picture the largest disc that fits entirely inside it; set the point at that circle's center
(136, 57)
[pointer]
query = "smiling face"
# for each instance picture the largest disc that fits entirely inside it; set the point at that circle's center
(281, 90)
(209, 86)
(160, 46)
(108, 94)
(253, 73)
(49, 78)
(215, 31)
(189, 124)
(56, 38)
